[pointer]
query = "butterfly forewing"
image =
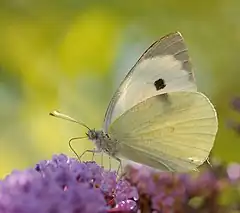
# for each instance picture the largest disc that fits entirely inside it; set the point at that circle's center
(174, 131)
(164, 67)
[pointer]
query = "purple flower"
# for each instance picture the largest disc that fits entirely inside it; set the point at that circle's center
(124, 191)
(90, 173)
(187, 192)
(28, 191)
(233, 171)
(125, 206)
(84, 172)
(59, 185)
(65, 185)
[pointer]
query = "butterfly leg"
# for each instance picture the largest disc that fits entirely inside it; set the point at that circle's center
(120, 164)
(71, 147)
(102, 159)
(94, 151)
(93, 154)
(208, 161)
(110, 166)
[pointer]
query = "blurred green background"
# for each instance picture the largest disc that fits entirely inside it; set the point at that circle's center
(71, 55)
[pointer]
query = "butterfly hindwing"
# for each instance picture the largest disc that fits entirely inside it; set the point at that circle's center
(173, 132)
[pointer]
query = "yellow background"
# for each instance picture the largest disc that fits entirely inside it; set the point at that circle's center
(71, 55)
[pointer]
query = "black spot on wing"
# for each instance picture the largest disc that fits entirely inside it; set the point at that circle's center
(159, 84)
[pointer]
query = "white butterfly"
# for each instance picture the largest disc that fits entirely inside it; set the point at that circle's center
(157, 117)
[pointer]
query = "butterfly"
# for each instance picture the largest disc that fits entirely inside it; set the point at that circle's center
(157, 117)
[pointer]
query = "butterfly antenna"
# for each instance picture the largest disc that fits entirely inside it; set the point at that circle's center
(58, 114)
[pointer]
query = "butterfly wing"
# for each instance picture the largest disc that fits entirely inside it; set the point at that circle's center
(163, 67)
(171, 132)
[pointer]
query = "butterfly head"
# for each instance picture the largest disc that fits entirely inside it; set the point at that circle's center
(92, 134)
(103, 141)
(97, 137)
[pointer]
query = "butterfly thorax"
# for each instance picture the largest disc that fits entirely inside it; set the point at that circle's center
(104, 142)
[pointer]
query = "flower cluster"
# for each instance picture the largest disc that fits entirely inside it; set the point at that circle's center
(65, 185)
(215, 189)
(28, 192)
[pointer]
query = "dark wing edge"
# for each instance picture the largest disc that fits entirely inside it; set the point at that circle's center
(162, 44)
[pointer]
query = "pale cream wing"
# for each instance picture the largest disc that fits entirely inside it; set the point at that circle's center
(163, 67)
(172, 132)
